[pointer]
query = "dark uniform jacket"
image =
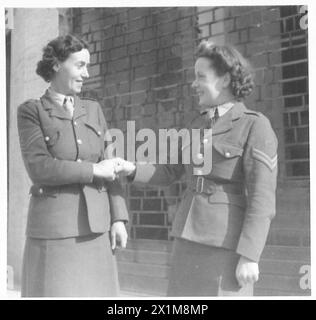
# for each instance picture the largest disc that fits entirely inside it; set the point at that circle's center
(232, 205)
(59, 152)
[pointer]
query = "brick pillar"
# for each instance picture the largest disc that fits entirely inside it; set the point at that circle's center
(33, 28)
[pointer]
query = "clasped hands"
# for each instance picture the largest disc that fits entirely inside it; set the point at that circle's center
(110, 169)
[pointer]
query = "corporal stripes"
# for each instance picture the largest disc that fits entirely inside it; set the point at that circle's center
(271, 163)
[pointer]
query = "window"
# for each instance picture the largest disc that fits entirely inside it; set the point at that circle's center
(295, 92)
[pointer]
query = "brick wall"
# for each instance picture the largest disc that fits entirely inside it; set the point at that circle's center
(142, 68)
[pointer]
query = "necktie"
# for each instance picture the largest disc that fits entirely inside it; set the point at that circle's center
(69, 106)
(213, 116)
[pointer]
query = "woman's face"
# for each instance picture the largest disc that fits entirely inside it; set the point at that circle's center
(208, 85)
(71, 73)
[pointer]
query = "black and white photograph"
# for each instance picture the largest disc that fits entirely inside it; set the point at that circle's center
(157, 151)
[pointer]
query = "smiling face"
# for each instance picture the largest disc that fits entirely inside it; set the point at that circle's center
(69, 75)
(211, 88)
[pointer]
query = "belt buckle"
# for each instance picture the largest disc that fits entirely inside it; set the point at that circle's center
(199, 184)
(102, 188)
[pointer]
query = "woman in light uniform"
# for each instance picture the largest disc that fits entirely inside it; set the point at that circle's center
(222, 223)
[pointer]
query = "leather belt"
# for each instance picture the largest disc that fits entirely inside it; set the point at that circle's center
(202, 185)
(52, 191)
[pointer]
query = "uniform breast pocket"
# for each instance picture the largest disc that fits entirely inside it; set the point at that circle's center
(95, 137)
(227, 160)
(51, 136)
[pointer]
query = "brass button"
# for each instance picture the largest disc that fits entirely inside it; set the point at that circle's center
(99, 133)
(47, 138)
(227, 154)
(79, 141)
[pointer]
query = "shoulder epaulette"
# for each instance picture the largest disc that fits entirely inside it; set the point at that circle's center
(88, 98)
(30, 101)
(255, 113)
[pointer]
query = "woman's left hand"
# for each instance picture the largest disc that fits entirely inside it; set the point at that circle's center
(118, 232)
(247, 271)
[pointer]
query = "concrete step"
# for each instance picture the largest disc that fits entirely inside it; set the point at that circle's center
(259, 292)
(281, 267)
(283, 236)
(144, 256)
(281, 283)
(287, 220)
(269, 267)
(144, 267)
(289, 253)
(143, 284)
(149, 245)
(147, 285)
(150, 251)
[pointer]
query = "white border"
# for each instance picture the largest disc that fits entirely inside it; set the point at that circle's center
(142, 3)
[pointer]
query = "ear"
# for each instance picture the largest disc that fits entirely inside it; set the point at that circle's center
(56, 67)
(226, 80)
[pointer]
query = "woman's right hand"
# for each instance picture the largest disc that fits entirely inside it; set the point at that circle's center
(105, 169)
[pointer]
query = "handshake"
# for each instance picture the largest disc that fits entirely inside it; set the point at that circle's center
(110, 169)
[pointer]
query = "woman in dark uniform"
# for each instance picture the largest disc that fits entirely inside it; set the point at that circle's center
(222, 223)
(75, 200)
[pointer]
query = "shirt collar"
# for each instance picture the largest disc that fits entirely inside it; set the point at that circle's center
(222, 109)
(59, 98)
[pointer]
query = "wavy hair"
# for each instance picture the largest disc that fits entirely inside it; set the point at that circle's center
(225, 59)
(56, 50)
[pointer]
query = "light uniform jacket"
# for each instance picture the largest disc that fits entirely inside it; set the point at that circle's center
(232, 206)
(59, 152)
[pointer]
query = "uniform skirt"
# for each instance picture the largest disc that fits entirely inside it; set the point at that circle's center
(72, 267)
(201, 270)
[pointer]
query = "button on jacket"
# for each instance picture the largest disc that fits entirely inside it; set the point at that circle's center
(58, 152)
(232, 205)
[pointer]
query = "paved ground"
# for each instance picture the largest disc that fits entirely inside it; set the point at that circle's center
(15, 294)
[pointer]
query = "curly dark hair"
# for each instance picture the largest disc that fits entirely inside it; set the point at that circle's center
(58, 49)
(225, 59)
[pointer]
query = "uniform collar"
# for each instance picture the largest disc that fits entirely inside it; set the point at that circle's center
(53, 106)
(222, 109)
(225, 123)
(59, 98)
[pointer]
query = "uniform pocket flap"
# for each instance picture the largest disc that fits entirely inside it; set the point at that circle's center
(228, 150)
(228, 198)
(96, 128)
(51, 136)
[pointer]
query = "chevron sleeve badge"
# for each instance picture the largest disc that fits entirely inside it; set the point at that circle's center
(271, 163)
